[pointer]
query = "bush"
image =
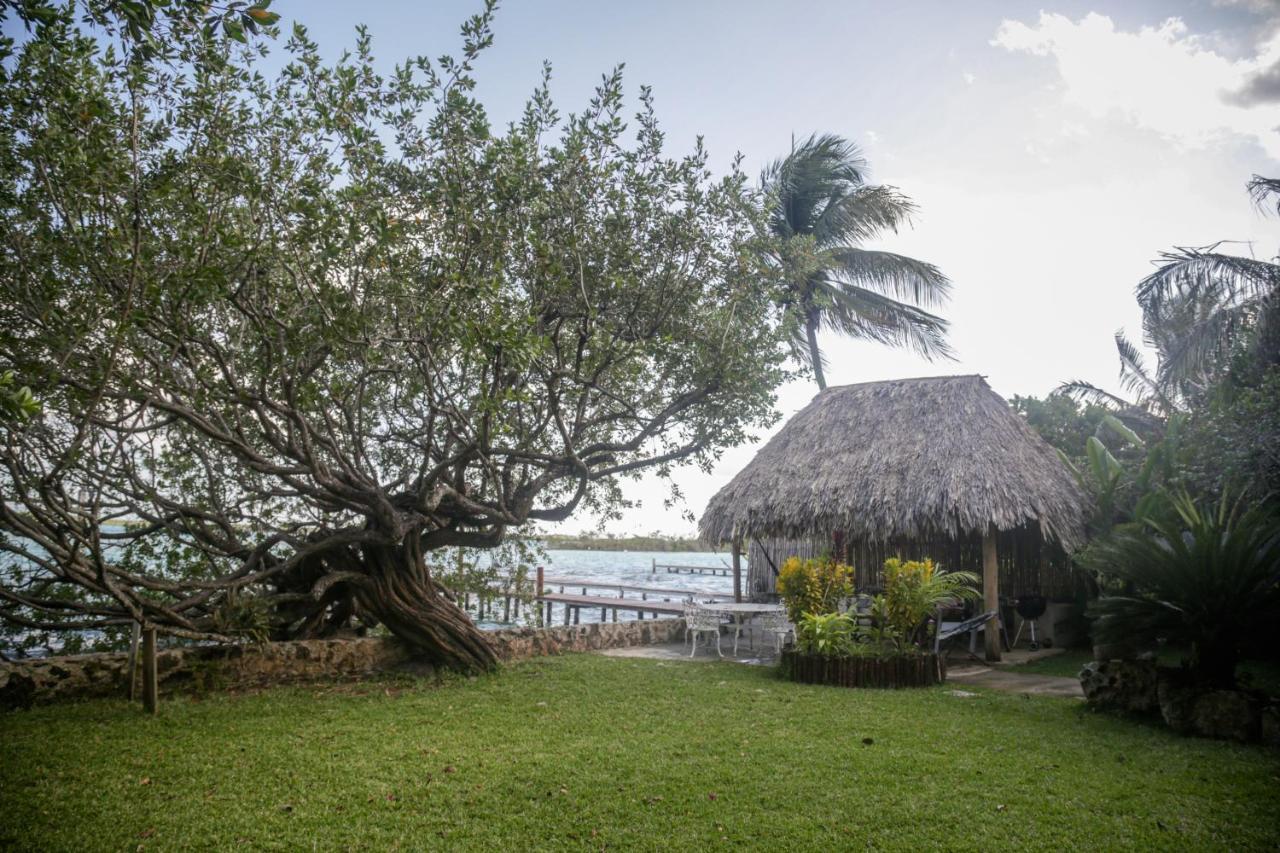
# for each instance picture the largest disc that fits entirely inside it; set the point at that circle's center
(816, 585)
(826, 634)
(1201, 576)
(913, 591)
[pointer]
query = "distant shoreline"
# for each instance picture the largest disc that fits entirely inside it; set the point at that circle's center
(625, 543)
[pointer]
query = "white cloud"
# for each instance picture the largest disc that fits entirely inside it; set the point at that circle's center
(1161, 78)
(969, 78)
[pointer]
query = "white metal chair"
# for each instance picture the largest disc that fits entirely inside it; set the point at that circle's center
(775, 622)
(699, 620)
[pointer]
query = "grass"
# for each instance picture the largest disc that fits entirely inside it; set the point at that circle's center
(590, 752)
(1264, 675)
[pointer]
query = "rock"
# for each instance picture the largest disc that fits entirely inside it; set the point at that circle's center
(1120, 685)
(1223, 714)
(1114, 651)
(16, 690)
(1269, 725)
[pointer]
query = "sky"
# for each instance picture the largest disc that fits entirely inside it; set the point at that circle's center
(1054, 148)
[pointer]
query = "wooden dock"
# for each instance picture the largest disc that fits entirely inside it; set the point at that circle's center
(675, 569)
(501, 602)
(655, 600)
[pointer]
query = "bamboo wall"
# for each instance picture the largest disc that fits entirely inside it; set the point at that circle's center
(1028, 565)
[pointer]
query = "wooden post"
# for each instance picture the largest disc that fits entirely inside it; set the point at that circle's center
(150, 687)
(991, 592)
(131, 668)
(737, 565)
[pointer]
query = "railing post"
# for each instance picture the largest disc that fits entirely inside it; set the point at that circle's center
(150, 686)
(131, 668)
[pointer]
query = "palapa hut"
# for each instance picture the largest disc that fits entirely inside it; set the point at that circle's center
(939, 467)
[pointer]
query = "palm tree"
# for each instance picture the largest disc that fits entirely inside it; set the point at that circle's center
(1201, 309)
(1212, 306)
(822, 209)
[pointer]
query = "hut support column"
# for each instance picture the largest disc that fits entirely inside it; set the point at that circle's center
(737, 565)
(991, 592)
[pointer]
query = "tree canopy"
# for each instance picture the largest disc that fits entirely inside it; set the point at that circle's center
(289, 334)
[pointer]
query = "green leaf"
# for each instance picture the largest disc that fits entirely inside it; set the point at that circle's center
(1117, 426)
(234, 30)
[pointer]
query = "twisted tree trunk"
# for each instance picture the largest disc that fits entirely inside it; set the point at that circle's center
(403, 596)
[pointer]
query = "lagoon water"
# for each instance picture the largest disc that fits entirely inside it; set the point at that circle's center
(634, 568)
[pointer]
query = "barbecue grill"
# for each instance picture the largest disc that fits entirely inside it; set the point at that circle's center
(1030, 608)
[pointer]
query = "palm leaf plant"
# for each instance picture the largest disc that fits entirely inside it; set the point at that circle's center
(916, 590)
(822, 211)
(1205, 307)
(1203, 576)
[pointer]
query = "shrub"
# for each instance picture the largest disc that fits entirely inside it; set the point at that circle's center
(1203, 576)
(826, 634)
(913, 591)
(816, 585)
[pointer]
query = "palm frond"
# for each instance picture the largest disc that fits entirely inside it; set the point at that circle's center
(806, 180)
(867, 315)
(1204, 274)
(1265, 191)
(891, 274)
(1205, 341)
(1087, 392)
(1134, 377)
(862, 213)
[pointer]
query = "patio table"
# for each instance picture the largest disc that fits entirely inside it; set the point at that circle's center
(740, 612)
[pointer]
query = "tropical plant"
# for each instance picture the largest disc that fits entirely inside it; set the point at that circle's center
(815, 585)
(913, 592)
(1203, 576)
(826, 634)
(1234, 442)
(302, 328)
(1203, 312)
(821, 209)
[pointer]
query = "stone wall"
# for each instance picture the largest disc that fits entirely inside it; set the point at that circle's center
(1142, 687)
(202, 668)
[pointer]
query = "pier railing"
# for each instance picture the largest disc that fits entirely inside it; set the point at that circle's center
(677, 569)
(504, 598)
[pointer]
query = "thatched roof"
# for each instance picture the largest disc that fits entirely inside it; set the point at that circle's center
(909, 458)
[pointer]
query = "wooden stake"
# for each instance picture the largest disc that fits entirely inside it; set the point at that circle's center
(991, 592)
(131, 668)
(150, 686)
(737, 565)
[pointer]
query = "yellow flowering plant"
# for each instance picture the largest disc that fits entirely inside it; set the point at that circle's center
(913, 591)
(815, 585)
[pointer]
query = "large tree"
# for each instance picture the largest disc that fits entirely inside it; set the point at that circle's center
(291, 335)
(822, 211)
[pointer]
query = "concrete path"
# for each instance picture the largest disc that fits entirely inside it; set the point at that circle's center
(1015, 682)
(680, 651)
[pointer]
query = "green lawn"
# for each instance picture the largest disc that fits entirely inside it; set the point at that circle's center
(588, 752)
